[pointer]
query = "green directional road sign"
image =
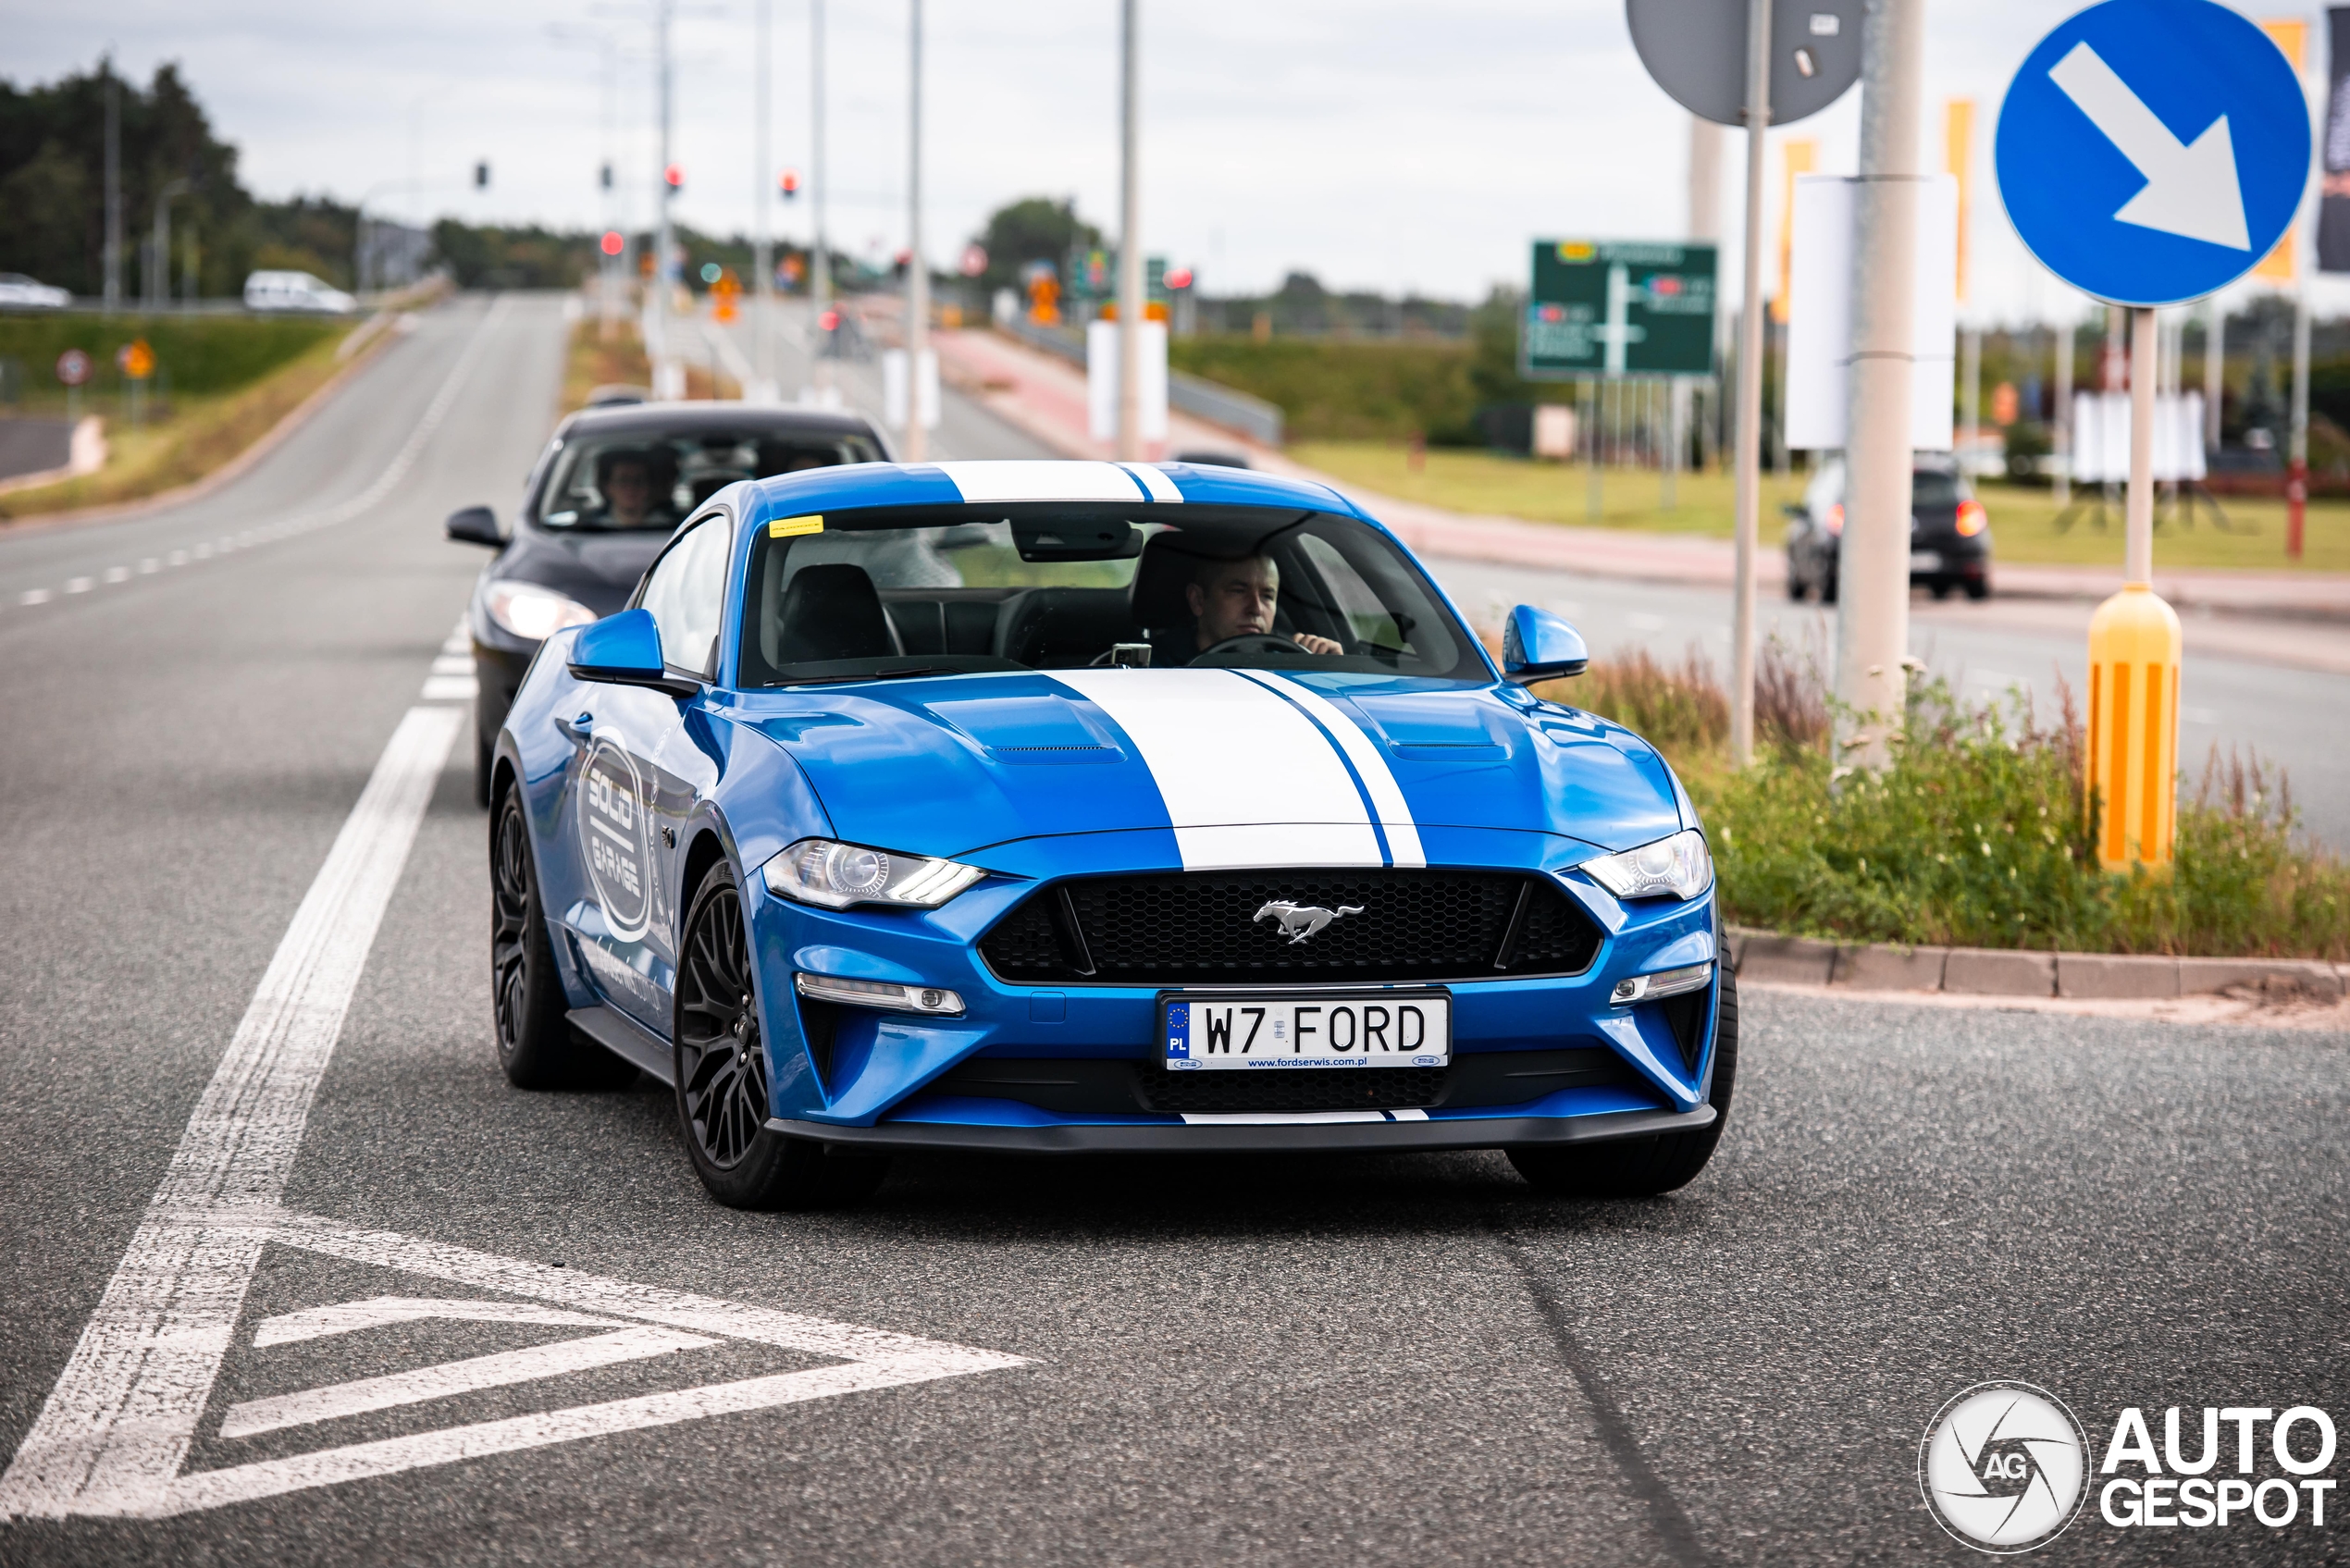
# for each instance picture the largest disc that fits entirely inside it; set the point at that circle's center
(1614, 307)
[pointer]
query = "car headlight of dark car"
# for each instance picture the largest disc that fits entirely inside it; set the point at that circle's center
(817, 871)
(1679, 866)
(534, 613)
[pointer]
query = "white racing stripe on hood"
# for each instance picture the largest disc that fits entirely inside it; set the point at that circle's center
(1024, 479)
(1387, 795)
(1248, 780)
(1160, 487)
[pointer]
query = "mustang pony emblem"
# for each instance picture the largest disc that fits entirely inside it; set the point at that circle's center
(1299, 921)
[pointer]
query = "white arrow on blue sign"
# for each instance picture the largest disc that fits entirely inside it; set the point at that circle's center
(2152, 151)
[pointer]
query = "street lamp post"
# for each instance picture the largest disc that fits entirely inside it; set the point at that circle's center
(669, 378)
(1749, 456)
(917, 270)
(1129, 250)
(158, 279)
(763, 250)
(819, 259)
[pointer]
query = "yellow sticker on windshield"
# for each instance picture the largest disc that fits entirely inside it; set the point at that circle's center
(792, 528)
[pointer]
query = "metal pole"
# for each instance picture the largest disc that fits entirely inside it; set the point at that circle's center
(917, 269)
(819, 259)
(2215, 368)
(1748, 461)
(763, 250)
(669, 378)
(2067, 344)
(112, 285)
(1129, 249)
(2137, 564)
(1873, 605)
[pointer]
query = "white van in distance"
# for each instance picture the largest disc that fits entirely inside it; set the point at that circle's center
(296, 290)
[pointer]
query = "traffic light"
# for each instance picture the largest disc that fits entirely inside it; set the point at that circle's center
(1178, 278)
(481, 176)
(675, 177)
(789, 183)
(613, 242)
(603, 177)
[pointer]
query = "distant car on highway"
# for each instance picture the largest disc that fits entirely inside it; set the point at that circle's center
(1048, 808)
(19, 292)
(1949, 532)
(611, 487)
(296, 291)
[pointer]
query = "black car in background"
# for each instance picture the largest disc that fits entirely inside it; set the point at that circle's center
(611, 488)
(1949, 532)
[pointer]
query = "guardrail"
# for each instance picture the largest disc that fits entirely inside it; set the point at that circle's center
(1202, 399)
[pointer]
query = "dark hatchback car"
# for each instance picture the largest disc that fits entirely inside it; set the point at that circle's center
(611, 487)
(1949, 532)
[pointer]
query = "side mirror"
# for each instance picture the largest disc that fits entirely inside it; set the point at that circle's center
(1538, 645)
(624, 651)
(475, 526)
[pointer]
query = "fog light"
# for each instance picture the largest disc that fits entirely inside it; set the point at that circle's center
(931, 999)
(1665, 982)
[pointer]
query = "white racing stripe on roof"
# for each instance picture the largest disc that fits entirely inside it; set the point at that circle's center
(1015, 480)
(1155, 480)
(1387, 795)
(1248, 780)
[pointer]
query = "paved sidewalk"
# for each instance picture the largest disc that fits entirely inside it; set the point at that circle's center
(1045, 397)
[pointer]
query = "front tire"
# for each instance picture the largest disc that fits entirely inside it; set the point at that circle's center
(721, 1075)
(1642, 1167)
(536, 1046)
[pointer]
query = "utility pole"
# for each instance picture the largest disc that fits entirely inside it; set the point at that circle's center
(669, 378)
(763, 250)
(820, 257)
(2068, 336)
(1872, 607)
(917, 269)
(1748, 461)
(2215, 364)
(112, 260)
(1705, 228)
(1130, 250)
(158, 278)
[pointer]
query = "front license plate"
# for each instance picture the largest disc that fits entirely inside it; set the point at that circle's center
(1926, 560)
(1388, 1030)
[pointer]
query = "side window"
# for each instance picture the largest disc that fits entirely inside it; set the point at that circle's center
(686, 594)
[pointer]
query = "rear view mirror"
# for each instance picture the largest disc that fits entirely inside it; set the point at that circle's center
(1077, 538)
(624, 651)
(475, 526)
(1538, 645)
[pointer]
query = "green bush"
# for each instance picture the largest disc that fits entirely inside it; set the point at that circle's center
(1976, 835)
(200, 356)
(1340, 391)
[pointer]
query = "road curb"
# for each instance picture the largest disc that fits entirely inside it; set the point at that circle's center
(1771, 958)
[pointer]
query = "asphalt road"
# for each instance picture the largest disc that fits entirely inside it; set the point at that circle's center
(1363, 1360)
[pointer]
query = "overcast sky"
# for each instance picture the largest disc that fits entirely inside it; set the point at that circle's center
(1377, 144)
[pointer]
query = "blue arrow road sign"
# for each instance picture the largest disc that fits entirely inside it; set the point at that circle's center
(2152, 151)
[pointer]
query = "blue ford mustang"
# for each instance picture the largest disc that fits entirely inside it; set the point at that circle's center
(1055, 806)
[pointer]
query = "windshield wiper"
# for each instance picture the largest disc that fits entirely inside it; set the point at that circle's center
(875, 675)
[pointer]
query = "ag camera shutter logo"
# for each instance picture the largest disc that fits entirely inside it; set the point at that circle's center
(2004, 1467)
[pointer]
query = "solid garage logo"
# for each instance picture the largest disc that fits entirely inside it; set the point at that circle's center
(2004, 1467)
(612, 831)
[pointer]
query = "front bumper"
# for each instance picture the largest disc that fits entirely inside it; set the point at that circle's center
(1342, 1132)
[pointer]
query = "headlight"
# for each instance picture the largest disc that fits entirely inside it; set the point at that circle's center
(1678, 865)
(532, 613)
(817, 871)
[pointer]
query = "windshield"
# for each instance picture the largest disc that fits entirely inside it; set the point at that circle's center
(643, 480)
(859, 596)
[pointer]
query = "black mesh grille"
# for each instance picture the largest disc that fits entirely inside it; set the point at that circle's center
(1301, 1089)
(1200, 927)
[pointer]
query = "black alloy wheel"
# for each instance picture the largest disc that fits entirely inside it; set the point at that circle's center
(722, 1083)
(536, 1046)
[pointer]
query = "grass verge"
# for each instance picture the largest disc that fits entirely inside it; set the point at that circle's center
(1975, 836)
(2023, 517)
(593, 360)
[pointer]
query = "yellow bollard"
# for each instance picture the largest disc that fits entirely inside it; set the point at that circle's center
(2133, 728)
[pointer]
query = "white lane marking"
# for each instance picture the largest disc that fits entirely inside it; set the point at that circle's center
(449, 688)
(148, 566)
(384, 1312)
(117, 574)
(1040, 479)
(1247, 778)
(117, 1426)
(452, 663)
(335, 1401)
(1155, 480)
(874, 1358)
(78, 585)
(402, 462)
(1387, 797)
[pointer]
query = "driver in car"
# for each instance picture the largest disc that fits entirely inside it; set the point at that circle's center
(626, 482)
(1232, 599)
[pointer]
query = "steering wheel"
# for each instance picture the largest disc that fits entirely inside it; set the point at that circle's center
(1249, 642)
